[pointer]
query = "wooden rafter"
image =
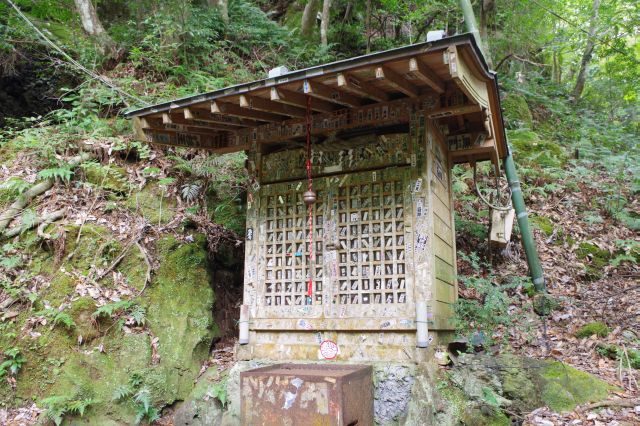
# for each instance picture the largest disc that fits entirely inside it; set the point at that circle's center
(422, 72)
(261, 104)
(355, 85)
(290, 97)
(236, 111)
(203, 115)
(397, 81)
(321, 91)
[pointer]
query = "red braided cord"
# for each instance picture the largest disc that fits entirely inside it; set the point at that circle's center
(309, 206)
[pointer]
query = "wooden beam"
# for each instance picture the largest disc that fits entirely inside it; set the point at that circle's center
(353, 84)
(220, 142)
(397, 81)
(421, 71)
(236, 111)
(453, 111)
(300, 100)
(203, 115)
(319, 90)
(177, 119)
(261, 104)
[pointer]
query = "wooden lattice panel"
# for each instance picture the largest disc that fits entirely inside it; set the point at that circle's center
(286, 246)
(361, 253)
(371, 243)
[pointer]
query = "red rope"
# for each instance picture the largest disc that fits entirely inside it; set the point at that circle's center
(309, 206)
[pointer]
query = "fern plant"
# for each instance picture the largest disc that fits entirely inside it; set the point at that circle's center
(219, 391)
(14, 186)
(57, 317)
(13, 362)
(62, 173)
(144, 407)
(11, 262)
(58, 405)
(124, 311)
(141, 398)
(191, 190)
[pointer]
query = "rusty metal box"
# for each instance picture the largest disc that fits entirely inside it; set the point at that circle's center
(307, 394)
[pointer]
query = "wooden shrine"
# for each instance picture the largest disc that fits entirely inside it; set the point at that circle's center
(367, 272)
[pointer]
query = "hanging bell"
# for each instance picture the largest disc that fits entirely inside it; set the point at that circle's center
(309, 197)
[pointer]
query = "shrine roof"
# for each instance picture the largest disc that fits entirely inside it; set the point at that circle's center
(228, 119)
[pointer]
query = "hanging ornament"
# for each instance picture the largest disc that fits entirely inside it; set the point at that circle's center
(309, 197)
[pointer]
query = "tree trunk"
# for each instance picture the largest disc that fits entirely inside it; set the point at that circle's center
(309, 18)
(223, 7)
(487, 8)
(588, 52)
(347, 13)
(324, 25)
(92, 26)
(367, 25)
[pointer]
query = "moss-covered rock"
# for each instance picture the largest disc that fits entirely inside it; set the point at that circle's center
(179, 305)
(516, 111)
(564, 387)
(543, 304)
(153, 204)
(599, 329)
(597, 258)
(112, 178)
(491, 384)
(165, 357)
(81, 312)
(202, 407)
(529, 148)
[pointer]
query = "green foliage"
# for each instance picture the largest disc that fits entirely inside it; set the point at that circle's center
(598, 328)
(627, 251)
(58, 405)
(62, 173)
(142, 150)
(10, 262)
(140, 397)
(516, 112)
(470, 228)
(123, 311)
(12, 187)
(490, 312)
(144, 407)
(597, 257)
(219, 391)
(57, 317)
(13, 361)
(630, 359)
(191, 190)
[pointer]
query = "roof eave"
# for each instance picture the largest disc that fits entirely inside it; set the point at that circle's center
(299, 75)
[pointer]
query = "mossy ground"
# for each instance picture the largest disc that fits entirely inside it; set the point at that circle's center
(599, 329)
(542, 223)
(596, 257)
